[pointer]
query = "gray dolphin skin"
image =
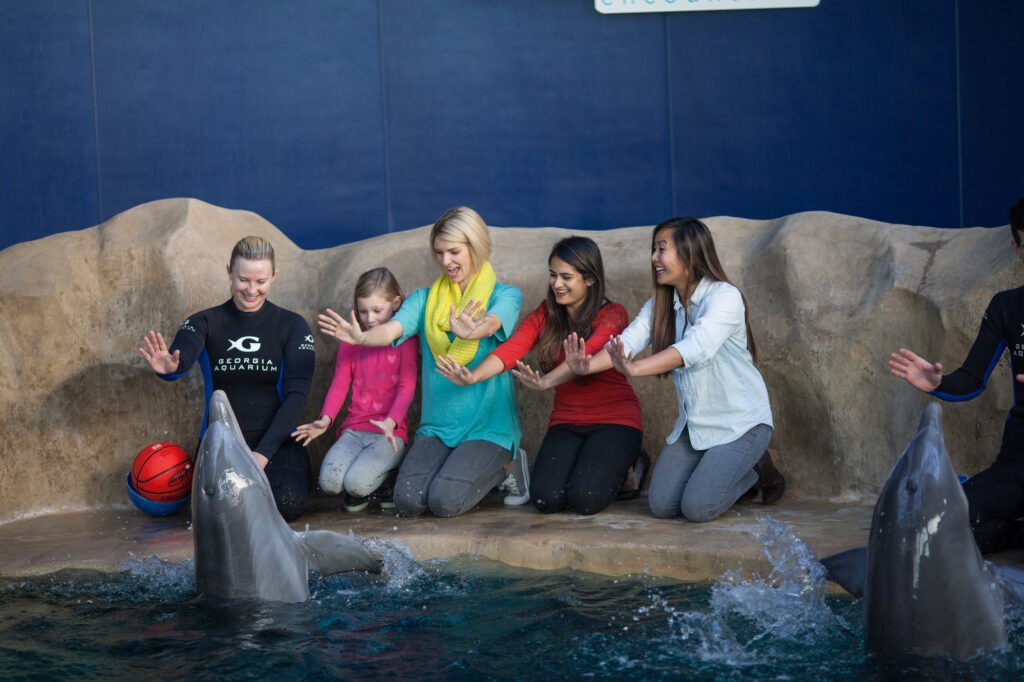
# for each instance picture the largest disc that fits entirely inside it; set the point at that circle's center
(244, 549)
(926, 588)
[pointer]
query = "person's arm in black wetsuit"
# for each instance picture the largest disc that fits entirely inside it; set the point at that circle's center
(297, 367)
(970, 379)
(174, 362)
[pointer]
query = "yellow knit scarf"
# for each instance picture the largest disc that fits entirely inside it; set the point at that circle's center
(442, 296)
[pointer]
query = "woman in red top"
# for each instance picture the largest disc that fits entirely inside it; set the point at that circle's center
(595, 431)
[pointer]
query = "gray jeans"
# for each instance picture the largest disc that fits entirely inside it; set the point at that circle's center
(448, 481)
(358, 463)
(703, 485)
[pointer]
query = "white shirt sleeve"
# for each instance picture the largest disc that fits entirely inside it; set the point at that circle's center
(637, 335)
(720, 316)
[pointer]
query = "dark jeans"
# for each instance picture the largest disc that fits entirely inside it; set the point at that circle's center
(290, 476)
(582, 467)
(995, 501)
(448, 481)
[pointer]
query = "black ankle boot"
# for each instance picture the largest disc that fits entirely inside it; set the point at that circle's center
(769, 481)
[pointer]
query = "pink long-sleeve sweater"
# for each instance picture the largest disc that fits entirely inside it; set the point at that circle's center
(383, 382)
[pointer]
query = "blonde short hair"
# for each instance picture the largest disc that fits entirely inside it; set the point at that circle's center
(463, 224)
(253, 248)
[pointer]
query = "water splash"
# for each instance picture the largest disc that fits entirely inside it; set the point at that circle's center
(399, 566)
(789, 603)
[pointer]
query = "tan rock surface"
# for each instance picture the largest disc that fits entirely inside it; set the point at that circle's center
(830, 297)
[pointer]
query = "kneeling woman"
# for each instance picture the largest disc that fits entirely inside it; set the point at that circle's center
(262, 356)
(698, 325)
(594, 432)
(465, 436)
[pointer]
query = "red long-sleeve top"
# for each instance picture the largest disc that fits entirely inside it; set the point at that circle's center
(603, 398)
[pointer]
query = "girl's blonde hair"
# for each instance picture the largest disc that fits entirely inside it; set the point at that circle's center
(374, 281)
(463, 224)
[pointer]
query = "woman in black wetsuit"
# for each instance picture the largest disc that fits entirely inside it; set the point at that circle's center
(263, 357)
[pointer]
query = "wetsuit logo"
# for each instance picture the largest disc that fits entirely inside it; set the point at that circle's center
(307, 343)
(246, 344)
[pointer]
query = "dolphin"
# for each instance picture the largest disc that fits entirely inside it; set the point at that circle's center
(926, 588)
(243, 547)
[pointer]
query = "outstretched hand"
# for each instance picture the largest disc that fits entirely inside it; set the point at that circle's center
(576, 356)
(157, 355)
(915, 370)
(621, 360)
(305, 433)
(449, 367)
(349, 331)
(529, 377)
(387, 425)
(465, 324)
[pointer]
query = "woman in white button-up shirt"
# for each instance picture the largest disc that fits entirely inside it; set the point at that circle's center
(698, 325)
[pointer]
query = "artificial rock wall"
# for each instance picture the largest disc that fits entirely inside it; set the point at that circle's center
(830, 296)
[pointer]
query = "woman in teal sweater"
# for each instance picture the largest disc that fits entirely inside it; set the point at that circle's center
(466, 435)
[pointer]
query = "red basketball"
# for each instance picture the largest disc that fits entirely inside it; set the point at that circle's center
(162, 472)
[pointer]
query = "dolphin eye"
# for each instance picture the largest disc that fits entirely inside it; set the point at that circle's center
(911, 486)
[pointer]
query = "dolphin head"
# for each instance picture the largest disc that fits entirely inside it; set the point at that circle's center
(222, 451)
(923, 488)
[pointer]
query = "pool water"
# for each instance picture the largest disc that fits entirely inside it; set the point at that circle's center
(461, 619)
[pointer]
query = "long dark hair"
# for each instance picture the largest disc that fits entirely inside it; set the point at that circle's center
(696, 249)
(581, 253)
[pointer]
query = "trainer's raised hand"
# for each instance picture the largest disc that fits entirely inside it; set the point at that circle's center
(157, 356)
(915, 370)
(349, 331)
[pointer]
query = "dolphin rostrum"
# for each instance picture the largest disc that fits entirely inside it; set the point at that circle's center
(243, 547)
(926, 588)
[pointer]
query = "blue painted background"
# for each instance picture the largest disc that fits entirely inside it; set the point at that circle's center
(342, 119)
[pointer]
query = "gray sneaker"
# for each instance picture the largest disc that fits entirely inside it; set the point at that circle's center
(517, 481)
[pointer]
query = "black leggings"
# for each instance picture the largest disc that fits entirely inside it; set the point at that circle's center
(995, 500)
(290, 476)
(583, 467)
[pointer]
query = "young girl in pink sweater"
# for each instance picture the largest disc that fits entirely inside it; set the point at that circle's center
(373, 436)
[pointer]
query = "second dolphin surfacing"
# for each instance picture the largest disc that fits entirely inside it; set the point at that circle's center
(926, 588)
(243, 547)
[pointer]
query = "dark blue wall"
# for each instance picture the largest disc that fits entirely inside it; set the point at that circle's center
(342, 119)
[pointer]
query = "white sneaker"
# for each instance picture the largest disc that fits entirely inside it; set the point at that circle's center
(517, 481)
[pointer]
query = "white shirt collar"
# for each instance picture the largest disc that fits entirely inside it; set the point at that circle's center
(698, 293)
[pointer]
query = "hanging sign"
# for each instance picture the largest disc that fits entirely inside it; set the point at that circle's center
(635, 6)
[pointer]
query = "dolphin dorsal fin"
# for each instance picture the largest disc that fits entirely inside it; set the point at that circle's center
(848, 569)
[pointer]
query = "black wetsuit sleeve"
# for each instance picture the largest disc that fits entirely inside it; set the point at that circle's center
(190, 340)
(969, 380)
(294, 385)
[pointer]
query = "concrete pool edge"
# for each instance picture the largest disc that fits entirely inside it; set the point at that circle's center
(624, 539)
